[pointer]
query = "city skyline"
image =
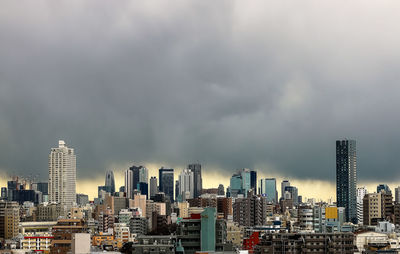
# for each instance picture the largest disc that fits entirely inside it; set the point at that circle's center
(250, 92)
(199, 126)
(327, 189)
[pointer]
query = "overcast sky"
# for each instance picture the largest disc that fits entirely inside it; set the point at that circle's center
(231, 84)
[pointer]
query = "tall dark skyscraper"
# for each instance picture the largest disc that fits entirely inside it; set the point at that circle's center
(198, 181)
(166, 178)
(110, 183)
(253, 180)
(346, 178)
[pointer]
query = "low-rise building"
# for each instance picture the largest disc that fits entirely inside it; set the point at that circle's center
(37, 242)
(306, 242)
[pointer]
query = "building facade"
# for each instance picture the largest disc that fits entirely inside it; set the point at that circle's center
(109, 181)
(62, 175)
(360, 196)
(186, 185)
(197, 179)
(166, 182)
(153, 187)
(270, 190)
(346, 178)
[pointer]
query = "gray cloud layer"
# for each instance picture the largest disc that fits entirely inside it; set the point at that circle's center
(230, 84)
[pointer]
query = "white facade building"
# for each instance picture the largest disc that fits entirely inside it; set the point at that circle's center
(186, 184)
(361, 191)
(62, 175)
(129, 183)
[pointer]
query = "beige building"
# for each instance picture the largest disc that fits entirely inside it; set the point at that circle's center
(76, 213)
(50, 212)
(138, 201)
(183, 209)
(363, 239)
(372, 208)
(234, 233)
(9, 219)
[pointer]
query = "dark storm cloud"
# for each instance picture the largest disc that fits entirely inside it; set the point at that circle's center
(230, 84)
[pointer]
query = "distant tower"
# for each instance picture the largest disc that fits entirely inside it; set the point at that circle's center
(110, 183)
(270, 190)
(153, 187)
(197, 180)
(383, 187)
(346, 178)
(62, 175)
(186, 184)
(221, 190)
(136, 178)
(284, 184)
(166, 180)
(397, 194)
(253, 180)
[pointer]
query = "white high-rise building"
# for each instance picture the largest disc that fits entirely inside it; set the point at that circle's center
(186, 184)
(62, 175)
(361, 191)
(129, 183)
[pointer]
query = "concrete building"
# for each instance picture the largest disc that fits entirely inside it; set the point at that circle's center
(203, 231)
(292, 243)
(397, 195)
(82, 199)
(138, 225)
(152, 244)
(63, 232)
(387, 206)
(121, 232)
(62, 175)
(234, 234)
(124, 216)
(50, 212)
(250, 211)
(372, 208)
(305, 217)
(361, 191)
(9, 219)
(106, 221)
(365, 239)
(221, 190)
(80, 243)
(183, 209)
(186, 185)
(346, 178)
(153, 187)
(37, 241)
(140, 202)
(208, 219)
